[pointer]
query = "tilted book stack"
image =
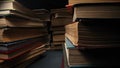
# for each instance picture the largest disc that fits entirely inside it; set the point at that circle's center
(59, 18)
(22, 35)
(95, 29)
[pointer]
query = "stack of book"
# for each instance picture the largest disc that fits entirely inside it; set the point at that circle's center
(59, 18)
(44, 14)
(22, 35)
(93, 33)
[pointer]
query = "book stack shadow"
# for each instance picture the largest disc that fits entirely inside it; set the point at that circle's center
(59, 18)
(23, 35)
(93, 38)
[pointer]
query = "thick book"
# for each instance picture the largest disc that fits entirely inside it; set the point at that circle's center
(9, 34)
(73, 2)
(94, 33)
(11, 13)
(76, 58)
(91, 11)
(43, 14)
(26, 57)
(60, 17)
(7, 48)
(15, 5)
(21, 51)
(14, 21)
(57, 28)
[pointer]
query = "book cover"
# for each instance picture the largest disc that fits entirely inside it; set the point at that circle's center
(77, 58)
(7, 48)
(94, 33)
(90, 11)
(21, 51)
(26, 57)
(13, 34)
(15, 5)
(14, 21)
(73, 2)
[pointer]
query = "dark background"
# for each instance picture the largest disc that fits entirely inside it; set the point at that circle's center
(44, 4)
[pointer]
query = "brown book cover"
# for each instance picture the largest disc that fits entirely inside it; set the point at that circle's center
(90, 11)
(15, 5)
(14, 21)
(76, 58)
(21, 51)
(94, 33)
(26, 58)
(14, 34)
(73, 2)
(60, 17)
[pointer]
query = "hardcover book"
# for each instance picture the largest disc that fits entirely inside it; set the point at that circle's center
(94, 33)
(76, 58)
(15, 5)
(16, 21)
(21, 51)
(10, 47)
(14, 34)
(90, 11)
(73, 2)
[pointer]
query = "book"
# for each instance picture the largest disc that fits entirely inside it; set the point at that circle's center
(58, 38)
(90, 11)
(14, 21)
(11, 13)
(94, 33)
(26, 57)
(15, 5)
(10, 47)
(14, 34)
(43, 14)
(76, 58)
(58, 32)
(21, 51)
(58, 15)
(73, 2)
(57, 28)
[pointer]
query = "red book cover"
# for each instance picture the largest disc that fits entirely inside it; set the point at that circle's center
(21, 51)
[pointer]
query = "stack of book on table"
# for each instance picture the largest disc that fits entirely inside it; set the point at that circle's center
(22, 35)
(93, 38)
(59, 18)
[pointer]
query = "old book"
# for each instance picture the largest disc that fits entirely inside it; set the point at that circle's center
(58, 32)
(14, 5)
(58, 28)
(43, 14)
(21, 51)
(73, 58)
(32, 54)
(14, 21)
(73, 2)
(76, 58)
(58, 15)
(13, 46)
(58, 37)
(11, 13)
(105, 11)
(8, 34)
(94, 33)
